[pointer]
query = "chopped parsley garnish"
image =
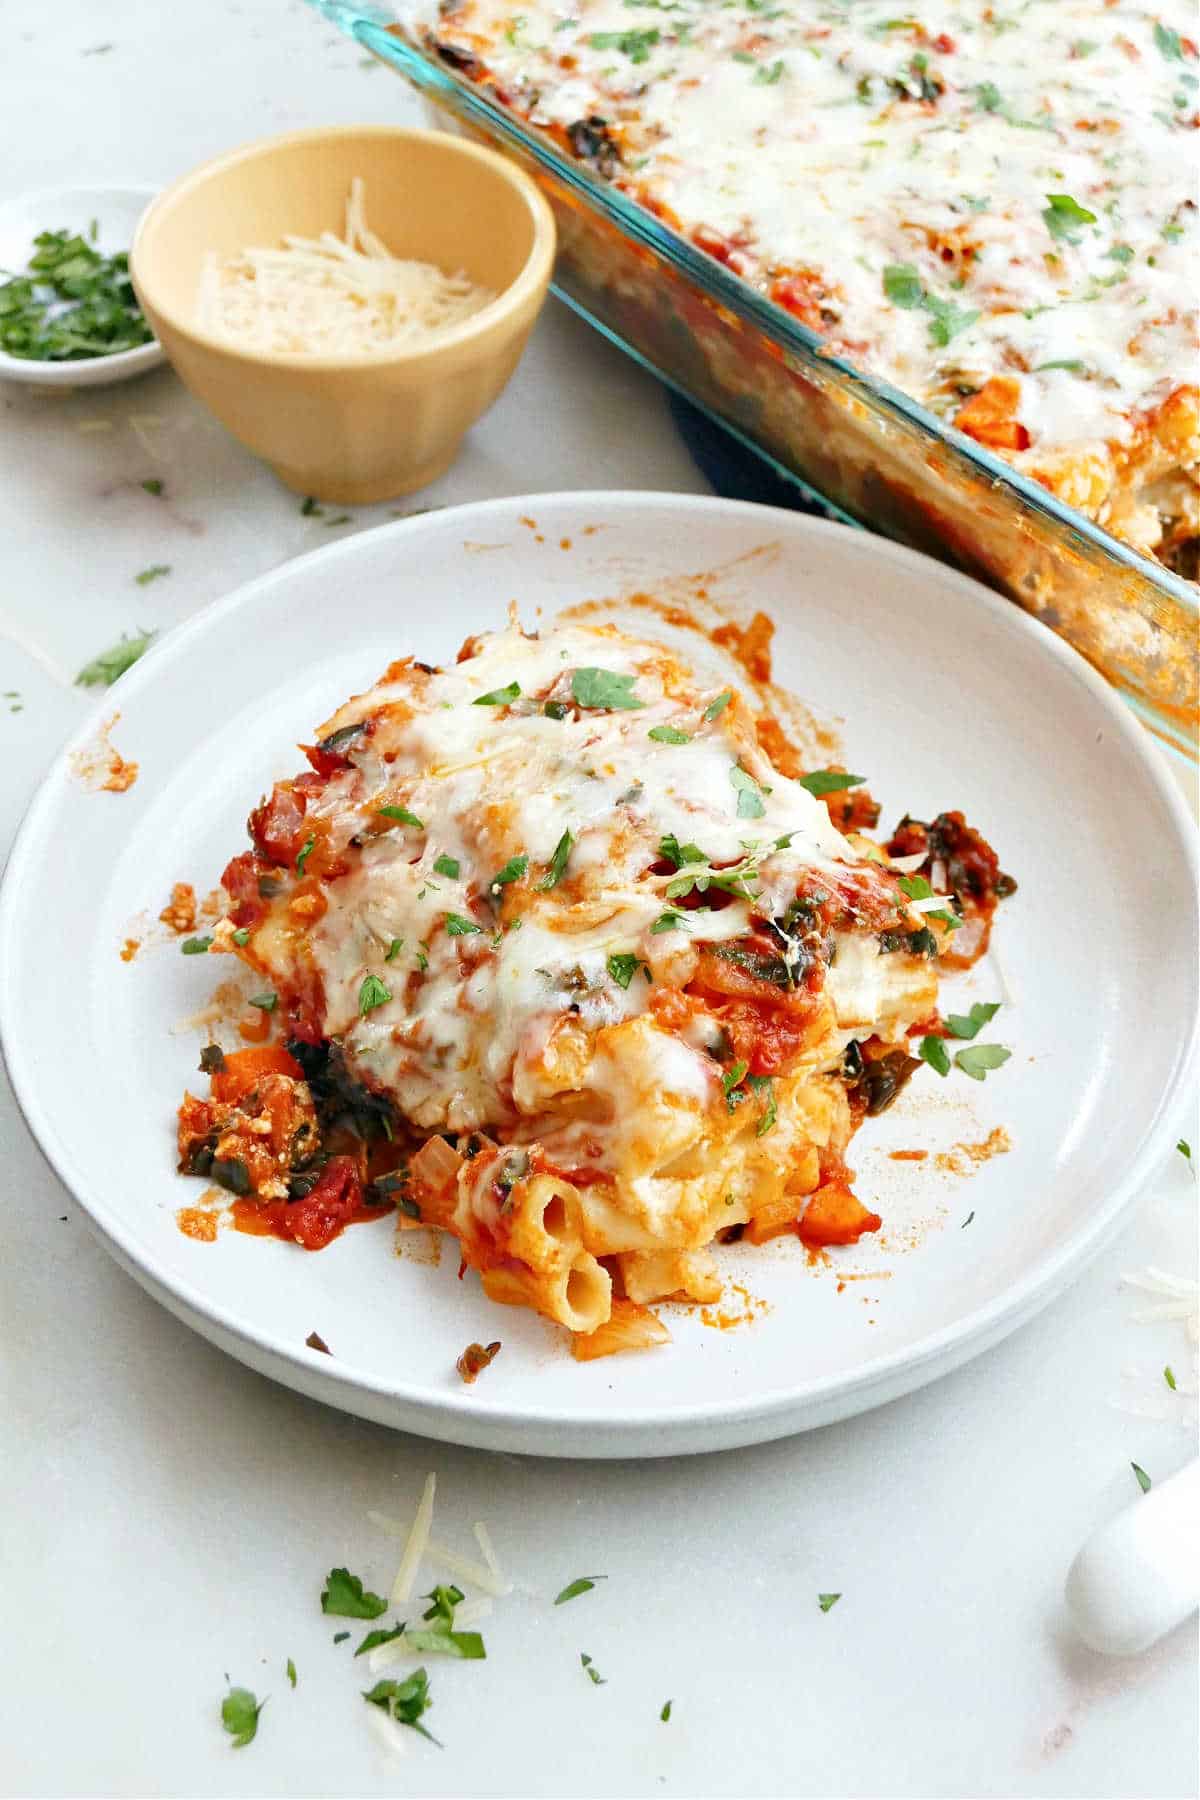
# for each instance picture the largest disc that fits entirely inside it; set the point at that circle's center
(445, 1597)
(309, 508)
(1064, 217)
(457, 926)
(668, 921)
(1143, 1480)
(339, 1637)
(380, 1635)
(513, 870)
(343, 1596)
(100, 316)
(827, 1601)
(1169, 42)
(195, 946)
(988, 97)
(264, 1002)
(729, 1083)
(933, 1051)
(446, 865)
(972, 1023)
(636, 45)
(915, 887)
(590, 1670)
(1184, 1149)
(967, 1221)
(291, 1671)
(749, 793)
(558, 863)
(371, 994)
(665, 1714)
(241, 937)
(1169, 1377)
(239, 1716)
(668, 734)
(762, 1084)
(904, 288)
(602, 690)
(673, 851)
(716, 707)
(583, 1584)
(623, 966)
(304, 855)
(104, 669)
(768, 76)
(402, 816)
(1067, 362)
(976, 1061)
(829, 781)
(499, 696)
(421, 958)
(556, 709)
(405, 1701)
(154, 573)
(394, 949)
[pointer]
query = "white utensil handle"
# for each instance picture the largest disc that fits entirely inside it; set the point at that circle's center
(1139, 1575)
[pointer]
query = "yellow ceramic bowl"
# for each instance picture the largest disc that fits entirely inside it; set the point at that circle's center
(363, 427)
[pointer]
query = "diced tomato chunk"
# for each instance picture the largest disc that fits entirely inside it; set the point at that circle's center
(322, 1215)
(240, 881)
(277, 825)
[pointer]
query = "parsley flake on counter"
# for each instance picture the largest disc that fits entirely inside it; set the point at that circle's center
(499, 696)
(310, 510)
(104, 669)
(448, 866)
(829, 781)
(668, 734)
(291, 1671)
(558, 863)
(195, 946)
(1184, 1149)
(716, 707)
(153, 486)
(513, 870)
(967, 1221)
(665, 1714)
(583, 1584)
(304, 855)
(402, 816)
(239, 1716)
(972, 1023)
(343, 1596)
(155, 572)
(603, 690)
(976, 1061)
(590, 1670)
(827, 1601)
(404, 1701)
(933, 1051)
(1064, 218)
(371, 994)
(339, 1637)
(1169, 1378)
(457, 926)
(1143, 1480)
(381, 1635)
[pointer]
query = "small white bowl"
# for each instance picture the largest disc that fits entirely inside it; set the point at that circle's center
(116, 211)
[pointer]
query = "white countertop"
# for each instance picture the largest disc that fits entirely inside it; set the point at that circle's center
(169, 1516)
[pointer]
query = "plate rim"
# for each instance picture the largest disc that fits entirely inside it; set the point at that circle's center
(765, 1413)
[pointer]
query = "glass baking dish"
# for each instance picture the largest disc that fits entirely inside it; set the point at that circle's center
(877, 457)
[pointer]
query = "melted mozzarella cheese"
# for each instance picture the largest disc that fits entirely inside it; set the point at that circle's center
(477, 971)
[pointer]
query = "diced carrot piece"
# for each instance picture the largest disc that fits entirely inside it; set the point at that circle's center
(988, 416)
(244, 1067)
(836, 1216)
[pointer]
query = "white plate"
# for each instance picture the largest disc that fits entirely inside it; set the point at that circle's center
(116, 211)
(950, 697)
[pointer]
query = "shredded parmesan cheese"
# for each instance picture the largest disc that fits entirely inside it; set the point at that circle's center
(464, 1568)
(330, 295)
(483, 1538)
(415, 1548)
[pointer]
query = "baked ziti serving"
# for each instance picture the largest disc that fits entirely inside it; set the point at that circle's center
(571, 957)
